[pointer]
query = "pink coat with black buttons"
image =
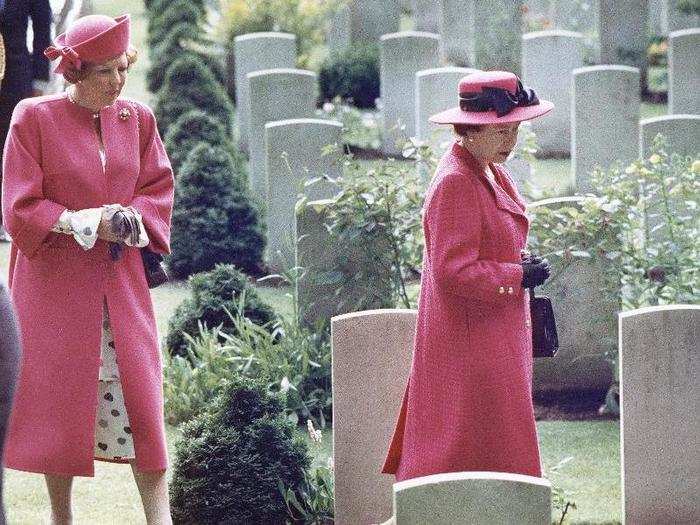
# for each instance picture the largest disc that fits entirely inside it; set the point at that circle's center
(52, 163)
(468, 402)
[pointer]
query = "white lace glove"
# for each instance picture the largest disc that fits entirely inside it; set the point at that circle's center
(82, 224)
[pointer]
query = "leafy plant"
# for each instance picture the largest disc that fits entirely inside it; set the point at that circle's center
(360, 128)
(561, 498)
(352, 75)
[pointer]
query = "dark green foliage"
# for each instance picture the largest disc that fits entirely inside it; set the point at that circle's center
(178, 12)
(214, 217)
(352, 75)
(231, 459)
(182, 39)
(189, 130)
(190, 84)
(213, 293)
(155, 8)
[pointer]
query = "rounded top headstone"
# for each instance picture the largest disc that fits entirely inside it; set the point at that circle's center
(471, 475)
(444, 70)
(668, 118)
(265, 34)
(409, 34)
(303, 121)
(551, 33)
(684, 32)
(281, 71)
(606, 67)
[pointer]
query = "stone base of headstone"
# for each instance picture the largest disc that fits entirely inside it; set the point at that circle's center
(467, 498)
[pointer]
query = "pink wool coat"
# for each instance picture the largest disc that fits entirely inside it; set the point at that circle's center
(468, 404)
(52, 163)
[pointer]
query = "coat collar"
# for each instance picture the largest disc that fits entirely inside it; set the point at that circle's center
(501, 188)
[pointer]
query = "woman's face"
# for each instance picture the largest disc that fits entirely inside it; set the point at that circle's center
(493, 142)
(104, 82)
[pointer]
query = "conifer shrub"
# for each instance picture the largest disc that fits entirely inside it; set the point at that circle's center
(352, 75)
(190, 84)
(176, 12)
(231, 460)
(194, 127)
(215, 219)
(212, 294)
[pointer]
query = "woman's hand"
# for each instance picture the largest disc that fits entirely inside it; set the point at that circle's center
(536, 271)
(105, 231)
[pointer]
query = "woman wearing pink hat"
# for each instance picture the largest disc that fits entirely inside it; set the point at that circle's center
(90, 385)
(468, 405)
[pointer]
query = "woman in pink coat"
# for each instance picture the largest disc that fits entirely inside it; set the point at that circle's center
(90, 384)
(468, 405)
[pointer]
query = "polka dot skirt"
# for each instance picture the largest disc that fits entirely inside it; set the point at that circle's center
(113, 439)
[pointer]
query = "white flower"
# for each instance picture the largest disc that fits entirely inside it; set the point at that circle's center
(328, 107)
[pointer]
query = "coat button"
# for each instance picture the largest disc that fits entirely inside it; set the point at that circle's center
(510, 290)
(501, 290)
(527, 323)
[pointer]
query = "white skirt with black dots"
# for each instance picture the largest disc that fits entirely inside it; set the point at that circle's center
(113, 439)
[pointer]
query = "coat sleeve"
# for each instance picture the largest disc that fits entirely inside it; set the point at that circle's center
(454, 219)
(155, 186)
(27, 215)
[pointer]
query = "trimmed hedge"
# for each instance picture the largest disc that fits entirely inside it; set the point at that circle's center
(190, 84)
(352, 75)
(230, 460)
(214, 218)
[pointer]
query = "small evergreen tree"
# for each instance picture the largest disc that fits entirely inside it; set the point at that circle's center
(183, 38)
(352, 74)
(194, 127)
(177, 12)
(214, 219)
(212, 294)
(190, 84)
(231, 459)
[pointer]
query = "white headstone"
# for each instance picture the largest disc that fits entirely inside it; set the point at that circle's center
(254, 52)
(275, 94)
(457, 31)
(497, 35)
(294, 154)
(436, 90)
(402, 55)
(370, 19)
(371, 361)
(605, 117)
(548, 59)
(684, 71)
(426, 15)
(623, 32)
(658, 17)
(466, 498)
(338, 39)
(677, 20)
(659, 407)
(585, 318)
(682, 134)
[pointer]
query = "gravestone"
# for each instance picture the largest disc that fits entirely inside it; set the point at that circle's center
(623, 34)
(436, 90)
(275, 94)
(426, 15)
(585, 317)
(338, 38)
(684, 71)
(658, 17)
(255, 52)
(324, 261)
(466, 498)
(659, 404)
(677, 20)
(548, 59)
(497, 35)
(370, 19)
(402, 55)
(294, 154)
(457, 32)
(682, 133)
(372, 353)
(605, 118)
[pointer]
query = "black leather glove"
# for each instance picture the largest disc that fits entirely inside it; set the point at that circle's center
(535, 273)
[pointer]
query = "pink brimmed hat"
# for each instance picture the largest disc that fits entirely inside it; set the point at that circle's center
(92, 38)
(493, 97)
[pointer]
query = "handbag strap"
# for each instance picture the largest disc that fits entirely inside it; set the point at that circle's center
(532, 293)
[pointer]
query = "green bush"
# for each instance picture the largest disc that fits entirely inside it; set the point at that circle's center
(177, 12)
(195, 127)
(352, 75)
(182, 39)
(232, 459)
(295, 360)
(190, 84)
(214, 217)
(212, 293)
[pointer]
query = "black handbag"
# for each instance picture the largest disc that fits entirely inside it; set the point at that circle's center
(545, 342)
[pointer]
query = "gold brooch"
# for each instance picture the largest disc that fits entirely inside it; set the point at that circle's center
(124, 114)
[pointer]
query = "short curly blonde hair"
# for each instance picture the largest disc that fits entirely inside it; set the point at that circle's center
(74, 75)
